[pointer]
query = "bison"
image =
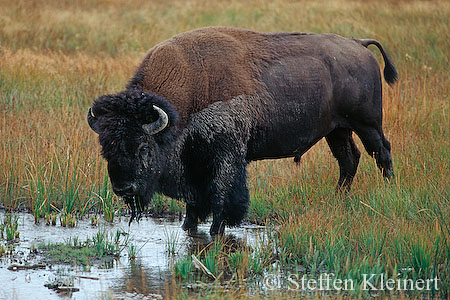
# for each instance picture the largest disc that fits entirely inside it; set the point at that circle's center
(205, 103)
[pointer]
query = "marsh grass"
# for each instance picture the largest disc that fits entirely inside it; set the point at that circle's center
(3, 250)
(132, 252)
(50, 219)
(165, 206)
(9, 228)
(183, 268)
(172, 241)
(56, 57)
(227, 258)
(102, 248)
(109, 204)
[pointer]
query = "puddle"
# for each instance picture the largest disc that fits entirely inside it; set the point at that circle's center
(143, 278)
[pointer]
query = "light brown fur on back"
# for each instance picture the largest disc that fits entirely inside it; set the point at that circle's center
(197, 68)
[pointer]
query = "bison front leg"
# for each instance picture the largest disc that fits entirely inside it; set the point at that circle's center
(218, 225)
(230, 196)
(217, 196)
(191, 219)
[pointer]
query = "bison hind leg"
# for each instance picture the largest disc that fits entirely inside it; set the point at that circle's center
(236, 204)
(347, 154)
(377, 146)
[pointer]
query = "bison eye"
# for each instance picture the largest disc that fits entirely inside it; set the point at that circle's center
(144, 150)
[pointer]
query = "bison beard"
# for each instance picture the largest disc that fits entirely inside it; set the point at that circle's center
(137, 207)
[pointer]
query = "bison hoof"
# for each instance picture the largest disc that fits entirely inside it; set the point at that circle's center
(217, 229)
(189, 227)
(388, 173)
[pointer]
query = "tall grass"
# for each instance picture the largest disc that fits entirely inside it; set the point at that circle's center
(56, 57)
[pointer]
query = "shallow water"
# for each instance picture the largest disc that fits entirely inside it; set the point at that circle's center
(143, 278)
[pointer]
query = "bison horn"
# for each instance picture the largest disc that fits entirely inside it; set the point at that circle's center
(158, 125)
(92, 120)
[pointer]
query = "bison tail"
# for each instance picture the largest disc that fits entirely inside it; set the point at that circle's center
(390, 73)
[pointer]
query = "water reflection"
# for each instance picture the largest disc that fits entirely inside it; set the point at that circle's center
(144, 280)
(149, 274)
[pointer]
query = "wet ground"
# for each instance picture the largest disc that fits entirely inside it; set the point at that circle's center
(143, 278)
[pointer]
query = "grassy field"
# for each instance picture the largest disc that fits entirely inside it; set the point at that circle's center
(56, 57)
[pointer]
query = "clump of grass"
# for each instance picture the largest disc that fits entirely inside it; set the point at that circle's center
(3, 250)
(157, 205)
(108, 202)
(50, 218)
(102, 248)
(94, 220)
(165, 206)
(39, 202)
(175, 207)
(210, 261)
(226, 258)
(68, 220)
(172, 239)
(239, 264)
(9, 227)
(183, 268)
(132, 252)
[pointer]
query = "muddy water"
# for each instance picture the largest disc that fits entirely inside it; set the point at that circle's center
(143, 278)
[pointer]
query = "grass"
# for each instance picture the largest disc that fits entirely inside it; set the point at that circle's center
(50, 218)
(132, 252)
(9, 228)
(3, 250)
(172, 240)
(183, 268)
(99, 249)
(56, 57)
(109, 204)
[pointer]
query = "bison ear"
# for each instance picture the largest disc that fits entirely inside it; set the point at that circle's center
(92, 120)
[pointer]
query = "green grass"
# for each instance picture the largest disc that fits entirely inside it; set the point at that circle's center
(9, 228)
(132, 252)
(109, 204)
(172, 240)
(164, 206)
(183, 268)
(99, 249)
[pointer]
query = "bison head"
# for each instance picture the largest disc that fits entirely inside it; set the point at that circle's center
(136, 131)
